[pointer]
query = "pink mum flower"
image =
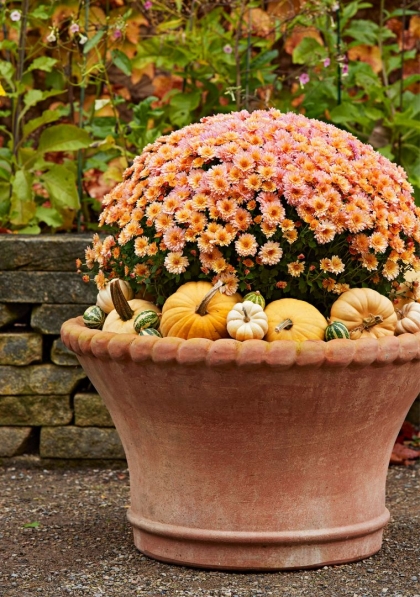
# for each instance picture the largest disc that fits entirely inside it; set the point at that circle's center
(176, 263)
(246, 245)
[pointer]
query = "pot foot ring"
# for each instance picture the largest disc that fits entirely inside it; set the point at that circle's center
(230, 550)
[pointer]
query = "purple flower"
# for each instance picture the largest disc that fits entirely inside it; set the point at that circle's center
(304, 78)
(345, 69)
(15, 15)
(117, 34)
(227, 49)
(327, 62)
(148, 5)
(74, 28)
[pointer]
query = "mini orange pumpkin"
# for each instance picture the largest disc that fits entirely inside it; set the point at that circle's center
(197, 310)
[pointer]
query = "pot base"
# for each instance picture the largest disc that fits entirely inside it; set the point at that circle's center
(230, 550)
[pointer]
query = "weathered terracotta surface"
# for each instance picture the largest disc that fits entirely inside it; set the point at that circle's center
(254, 455)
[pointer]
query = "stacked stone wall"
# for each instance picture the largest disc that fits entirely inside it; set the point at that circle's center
(47, 405)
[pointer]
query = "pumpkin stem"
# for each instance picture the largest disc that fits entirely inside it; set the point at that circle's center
(287, 324)
(369, 322)
(120, 302)
(202, 307)
(247, 317)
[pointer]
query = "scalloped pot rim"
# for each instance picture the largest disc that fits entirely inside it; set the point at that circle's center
(250, 353)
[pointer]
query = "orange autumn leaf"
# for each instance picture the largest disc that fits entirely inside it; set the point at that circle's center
(284, 9)
(412, 67)
(298, 100)
(369, 54)
(138, 73)
(298, 34)
(133, 28)
(164, 83)
(414, 27)
(258, 21)
(410, 35)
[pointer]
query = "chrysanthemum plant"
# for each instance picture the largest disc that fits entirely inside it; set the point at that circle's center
(266, 201)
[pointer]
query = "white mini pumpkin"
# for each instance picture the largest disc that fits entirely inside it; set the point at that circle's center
(247, 321)
(104, 298)
(409, 319)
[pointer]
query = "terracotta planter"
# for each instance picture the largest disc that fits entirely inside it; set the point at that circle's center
(254, 455)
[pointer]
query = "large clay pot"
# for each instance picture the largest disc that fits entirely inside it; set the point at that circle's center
(254, 455)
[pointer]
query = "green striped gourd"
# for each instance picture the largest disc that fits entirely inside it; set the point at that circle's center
(150, 332)
(255, 297)
(94, 317)
(335, 330)
(146, 319)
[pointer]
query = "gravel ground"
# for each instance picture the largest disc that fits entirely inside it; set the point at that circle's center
(80, 544)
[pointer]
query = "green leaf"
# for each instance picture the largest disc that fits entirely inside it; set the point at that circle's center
(32, 525)
(349, 10)
(22, 206)
(44, 63)
(4, 199)
(49, 215)
(308, 50)
(182, 105)
(386, 152)
(93, 41)
(63, 137)
(4, 174)
(373, 113)
(7, 71)
(41, 12)
(46, 117)
(347, 113)
(61, 186)
(167, 25)
(365, 32)
(30, 229)
(122, 62)
(408, 123)
(33, 97)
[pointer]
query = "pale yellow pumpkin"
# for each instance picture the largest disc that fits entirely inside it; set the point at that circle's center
(121, 319)
(247, 321)
(365, 312)
(104, 298)
(292, 319)
(408, 319)
(197, 310)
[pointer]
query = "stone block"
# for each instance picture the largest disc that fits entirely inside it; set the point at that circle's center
(45, 287)
(13, 440)
(90, 411)
(48, 319)
(61, 355)
(57, 252)
(20, 348)
(39, 379)
(10, 313)
(80, 442)
(35, 410)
